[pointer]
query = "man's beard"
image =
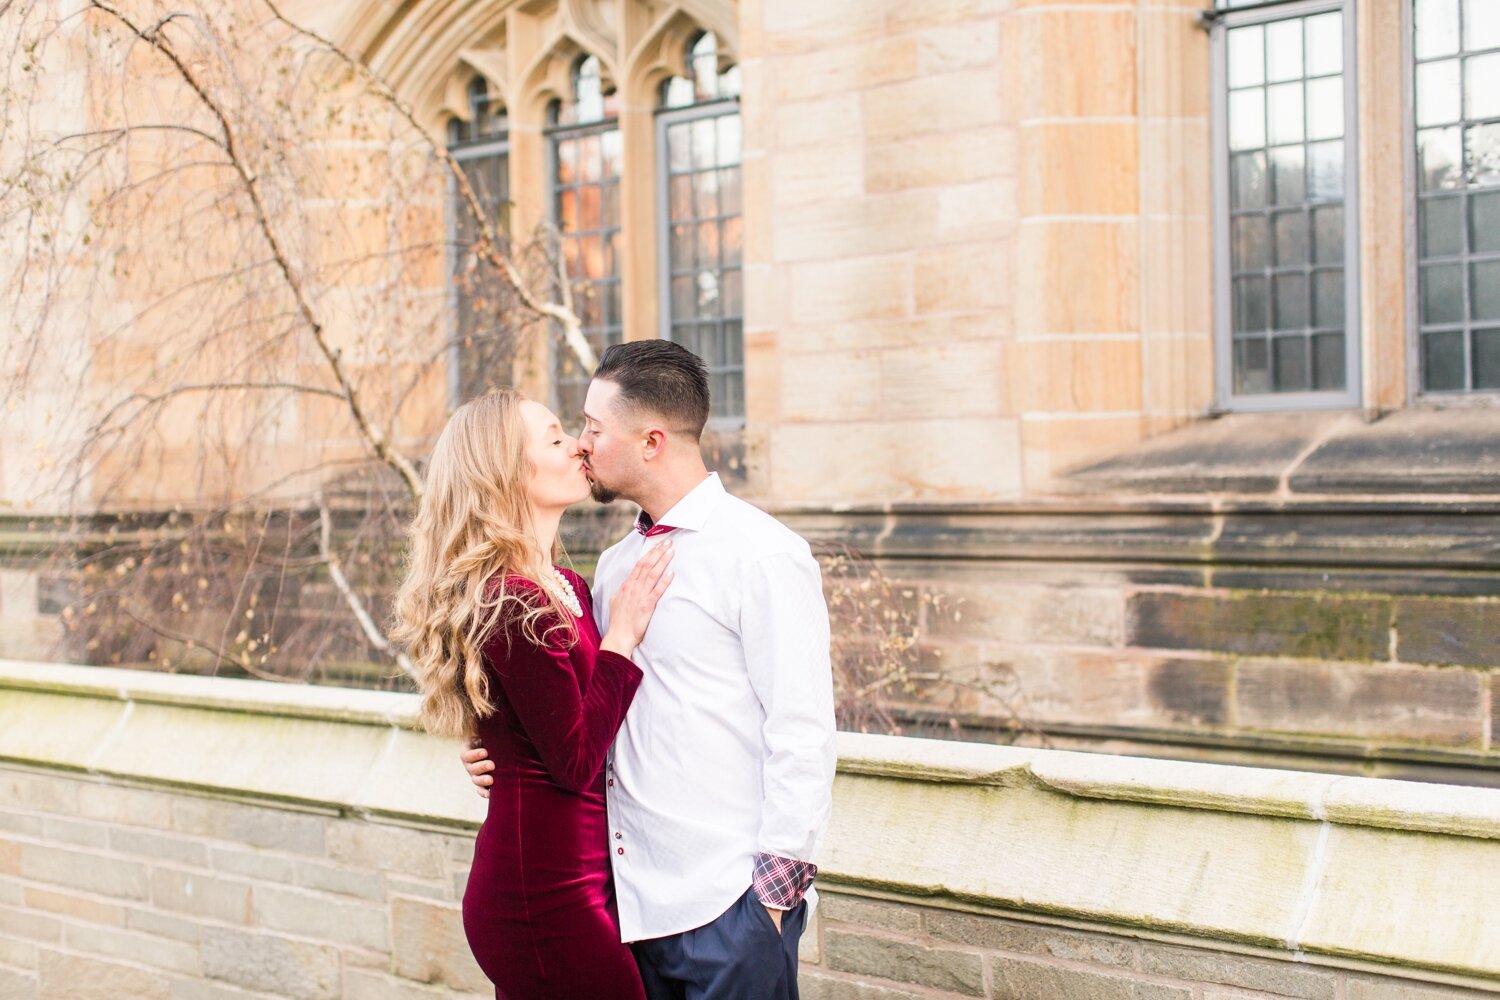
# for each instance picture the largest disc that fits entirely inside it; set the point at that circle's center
(600, 493)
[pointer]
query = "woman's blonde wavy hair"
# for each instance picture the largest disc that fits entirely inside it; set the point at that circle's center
(472, 525)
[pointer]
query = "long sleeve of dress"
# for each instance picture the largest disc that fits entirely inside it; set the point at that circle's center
(570, 724)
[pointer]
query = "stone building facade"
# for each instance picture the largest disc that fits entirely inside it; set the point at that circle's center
(1159, 341)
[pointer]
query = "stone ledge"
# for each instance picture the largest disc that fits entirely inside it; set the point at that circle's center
(301, 701)
(1307, 889)
(1244, 748)
(1414, 452)
(1333, 867)
(110, 698)
(1422, 537)
(1263, 535)
(1450, 810)
(337, 748)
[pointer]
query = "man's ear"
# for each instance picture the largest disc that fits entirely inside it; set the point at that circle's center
(655, 443)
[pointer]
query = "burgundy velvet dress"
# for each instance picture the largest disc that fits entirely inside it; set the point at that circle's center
(539, 909)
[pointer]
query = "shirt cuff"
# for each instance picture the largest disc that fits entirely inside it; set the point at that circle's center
(780, 883)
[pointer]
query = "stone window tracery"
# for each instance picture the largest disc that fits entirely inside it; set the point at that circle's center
(565, 114)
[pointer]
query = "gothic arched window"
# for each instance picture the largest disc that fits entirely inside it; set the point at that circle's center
(482, 343)
(584, 140)
(702, 233)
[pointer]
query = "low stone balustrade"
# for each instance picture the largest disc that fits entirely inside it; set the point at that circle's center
(183, 838)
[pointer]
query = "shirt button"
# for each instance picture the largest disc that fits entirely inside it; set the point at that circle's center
(619, 836)
(611, 782)
(620, 851)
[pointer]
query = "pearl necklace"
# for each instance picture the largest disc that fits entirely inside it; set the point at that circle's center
(560, 588)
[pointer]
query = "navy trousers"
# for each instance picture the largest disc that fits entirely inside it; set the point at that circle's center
(739, 956)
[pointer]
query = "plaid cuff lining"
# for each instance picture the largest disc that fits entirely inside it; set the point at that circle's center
(781, 882)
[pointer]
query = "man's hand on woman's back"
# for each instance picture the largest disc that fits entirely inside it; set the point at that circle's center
(477, 762)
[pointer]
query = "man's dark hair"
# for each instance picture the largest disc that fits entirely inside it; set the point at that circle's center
(662, 377)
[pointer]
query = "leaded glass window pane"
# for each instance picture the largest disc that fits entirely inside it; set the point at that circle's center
(1327, 360)
(1252, 367)
(1436, 29)
(1443, 365)
(1439, 159)
(1457, 117)
(1487, 358)
(585, 145)
(1484, 221)
(1286, 125)
(702, 303)
(1481, 28)
(483, 338)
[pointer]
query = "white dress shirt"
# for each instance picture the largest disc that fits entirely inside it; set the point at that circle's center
(728, 750)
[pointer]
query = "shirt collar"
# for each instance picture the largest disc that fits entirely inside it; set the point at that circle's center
(692, 511)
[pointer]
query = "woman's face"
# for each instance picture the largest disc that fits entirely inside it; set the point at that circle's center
(559, 477)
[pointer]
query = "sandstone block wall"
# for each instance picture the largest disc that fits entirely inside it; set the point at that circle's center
(191, 839)
(982, 242)
(877, 949)
(1339, 637)
(111, 891)
(1388, 670)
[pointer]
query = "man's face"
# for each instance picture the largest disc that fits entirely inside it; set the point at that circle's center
(610, 444)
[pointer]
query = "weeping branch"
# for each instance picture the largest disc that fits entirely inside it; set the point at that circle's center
(357, 607)
(250, 180)
(488, 245)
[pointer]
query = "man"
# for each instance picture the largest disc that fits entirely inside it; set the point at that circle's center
(719, 783)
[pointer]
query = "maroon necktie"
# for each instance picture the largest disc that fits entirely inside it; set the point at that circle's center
(653, 530)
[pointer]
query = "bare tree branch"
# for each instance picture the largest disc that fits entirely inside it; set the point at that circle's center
(191, 252)
(356, 606)
(122, 132)
(372, 434)
(488, 246)
(193, 643)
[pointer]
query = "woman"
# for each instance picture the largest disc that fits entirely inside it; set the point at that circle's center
(507, 652)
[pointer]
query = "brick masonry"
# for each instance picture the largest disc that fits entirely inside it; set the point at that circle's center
(110, 892)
